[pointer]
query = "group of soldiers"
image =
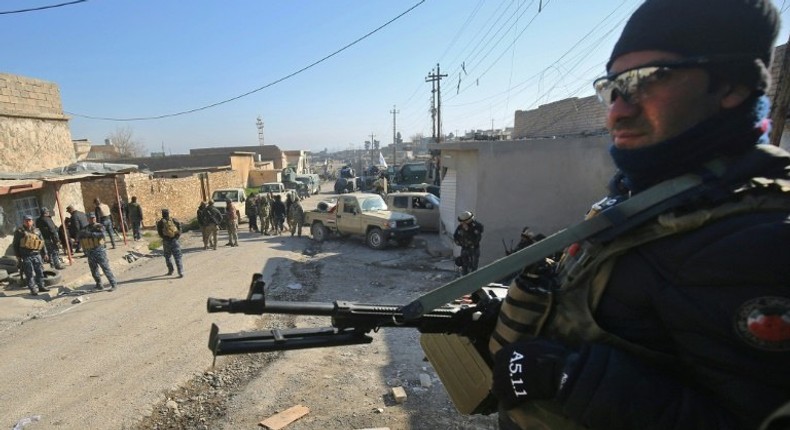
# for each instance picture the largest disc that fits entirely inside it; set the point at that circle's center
(274, 214)
(37, 243)
(275, 217)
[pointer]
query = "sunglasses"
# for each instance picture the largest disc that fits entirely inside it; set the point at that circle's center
(631, 84)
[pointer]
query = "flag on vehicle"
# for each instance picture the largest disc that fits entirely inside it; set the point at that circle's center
(382, 161)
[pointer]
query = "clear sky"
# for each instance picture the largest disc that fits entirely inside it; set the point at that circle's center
(127, 59)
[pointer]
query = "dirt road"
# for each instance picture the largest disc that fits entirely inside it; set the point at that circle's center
(137, 358)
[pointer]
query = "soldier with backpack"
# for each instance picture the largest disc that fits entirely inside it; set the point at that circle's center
(169, 230)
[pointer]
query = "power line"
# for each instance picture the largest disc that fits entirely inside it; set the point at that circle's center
(315, 63)
(42, 7)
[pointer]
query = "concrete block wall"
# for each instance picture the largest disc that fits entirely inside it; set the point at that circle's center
(573, 116)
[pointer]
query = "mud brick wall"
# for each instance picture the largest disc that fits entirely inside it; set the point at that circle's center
(34, 132)
(181, 195)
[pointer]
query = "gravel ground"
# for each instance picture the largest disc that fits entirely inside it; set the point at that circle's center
(344, 387)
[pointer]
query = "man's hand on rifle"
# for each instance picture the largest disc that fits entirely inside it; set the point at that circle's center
(531, 370)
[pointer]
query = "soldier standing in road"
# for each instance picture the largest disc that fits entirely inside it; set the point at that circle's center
(233, 223)
(296, 217)
(203, 221)
(49, 232)
(28, 246)
(169, 230)
(91, 238)
(135, 217)
(213, 218)
(264, 208)
(78, 222)
(468, 235)
(104, 216)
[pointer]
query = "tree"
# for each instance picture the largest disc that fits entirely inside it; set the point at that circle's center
(398, 138)
(127, 145)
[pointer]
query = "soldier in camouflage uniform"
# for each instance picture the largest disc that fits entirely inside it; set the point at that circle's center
(169, 230)
(28, 246)
(91, 239)
(264, 210)
(296, 217)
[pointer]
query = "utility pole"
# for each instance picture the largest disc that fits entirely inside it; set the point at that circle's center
(394, 134)
(259, 123)
(781, 99)
(436, 90)
(372, 144)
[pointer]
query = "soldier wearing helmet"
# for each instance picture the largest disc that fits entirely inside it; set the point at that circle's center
(468, 235)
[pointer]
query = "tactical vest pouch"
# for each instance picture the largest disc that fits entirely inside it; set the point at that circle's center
(91, 242)
(464, 373)
(31, 241)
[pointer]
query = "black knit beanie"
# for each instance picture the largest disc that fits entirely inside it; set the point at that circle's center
(744, 29)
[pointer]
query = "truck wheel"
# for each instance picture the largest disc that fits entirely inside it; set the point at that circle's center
(375, 239)
(319, 232)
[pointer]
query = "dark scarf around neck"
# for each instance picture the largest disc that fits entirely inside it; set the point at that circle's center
(730, 133)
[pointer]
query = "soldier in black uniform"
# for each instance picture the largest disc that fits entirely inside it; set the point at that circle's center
(468, 235)
(51, 237)
(91, 238)
(28, 247)
(78, 222)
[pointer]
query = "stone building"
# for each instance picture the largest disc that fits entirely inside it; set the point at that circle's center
(34, 136)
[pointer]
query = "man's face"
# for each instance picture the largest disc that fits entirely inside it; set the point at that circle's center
(91, 220)
(665, 108)
(28, 223)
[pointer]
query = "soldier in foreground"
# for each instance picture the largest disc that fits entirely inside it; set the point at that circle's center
(169, 230)
(684, 322)
(91, 238)
(28, 248)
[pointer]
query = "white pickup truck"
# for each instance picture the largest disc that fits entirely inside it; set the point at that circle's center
(276, 188)
(236, 196)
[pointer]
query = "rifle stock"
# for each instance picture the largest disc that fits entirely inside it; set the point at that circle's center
(455, 336)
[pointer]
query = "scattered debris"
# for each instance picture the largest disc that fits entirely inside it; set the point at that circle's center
(278, 421)
(399, 393)
(79, 300)
(25, 421)
(295, 286)
(425, 380)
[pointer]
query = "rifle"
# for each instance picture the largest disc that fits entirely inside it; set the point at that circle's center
(454, 336)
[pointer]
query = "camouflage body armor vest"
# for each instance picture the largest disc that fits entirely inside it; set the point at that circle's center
(567, 312)
(31, 241)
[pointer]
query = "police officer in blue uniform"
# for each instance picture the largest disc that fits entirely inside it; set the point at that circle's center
(169, 230)
(28, 247)
(91, 239)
